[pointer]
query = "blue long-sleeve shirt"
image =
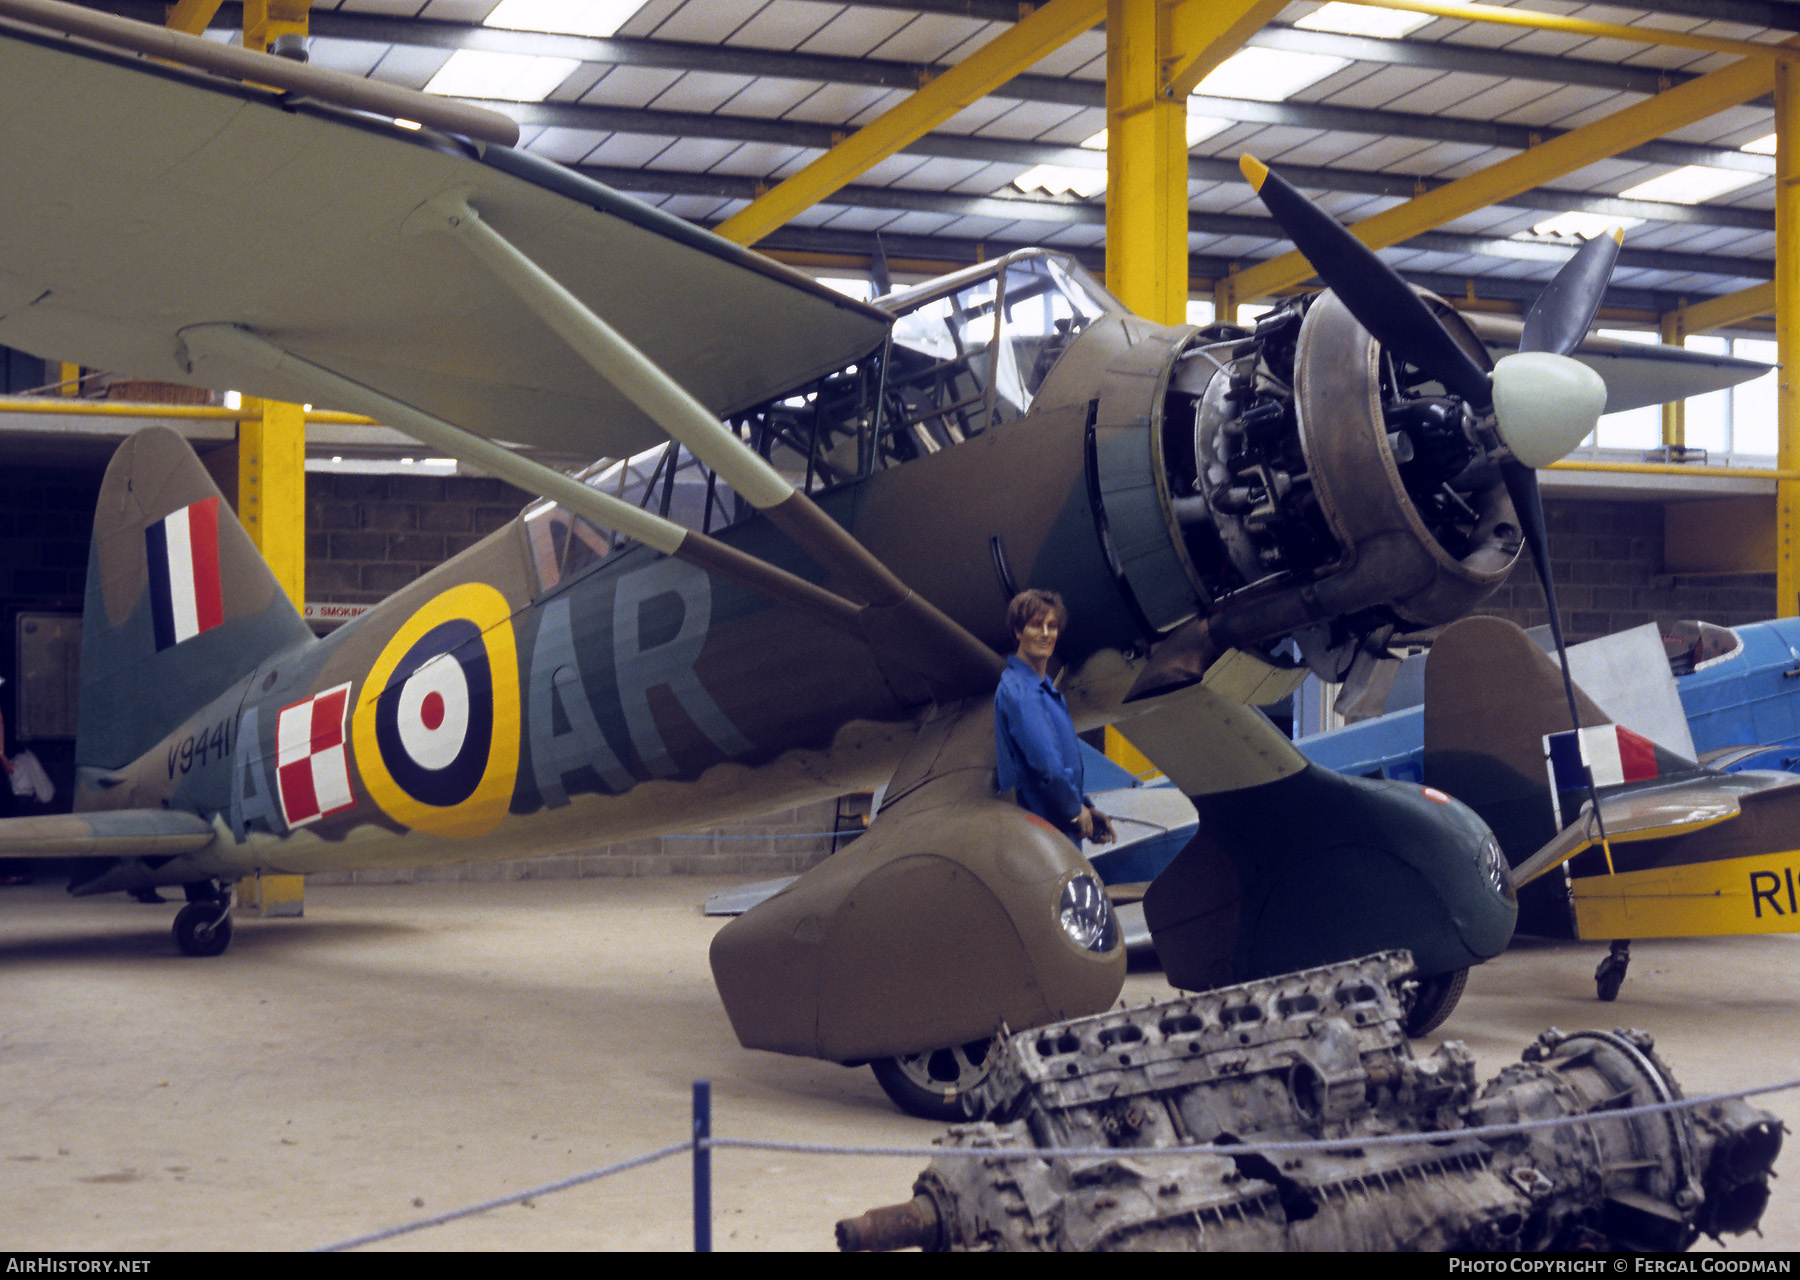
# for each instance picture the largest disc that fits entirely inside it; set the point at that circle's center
(1037, 753)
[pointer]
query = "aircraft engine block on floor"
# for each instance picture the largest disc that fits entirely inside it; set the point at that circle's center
(1321, 1054)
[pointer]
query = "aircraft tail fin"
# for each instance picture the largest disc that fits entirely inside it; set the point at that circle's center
(1491, 699)
(180, 604)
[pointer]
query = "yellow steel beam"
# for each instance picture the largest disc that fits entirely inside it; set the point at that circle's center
(1674, 413)
(1203, 33)
(264, 20)
(1733, 308)
(1156, 51)
(191, 16)
(999, 60)
(1787, 337)
(272, 508)
(1146, 165)
(171, 412)
(1697, 99)
(1577, 26)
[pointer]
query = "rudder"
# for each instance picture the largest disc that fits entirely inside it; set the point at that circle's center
(180, 604)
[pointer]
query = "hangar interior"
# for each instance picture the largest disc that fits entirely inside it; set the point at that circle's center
(901, 139)
(873, 143)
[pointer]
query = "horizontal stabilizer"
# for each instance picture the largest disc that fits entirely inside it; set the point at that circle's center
(116, 833)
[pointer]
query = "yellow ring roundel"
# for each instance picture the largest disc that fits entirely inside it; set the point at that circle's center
(436, 724)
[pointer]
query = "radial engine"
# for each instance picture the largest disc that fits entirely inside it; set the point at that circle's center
(1320, 1055)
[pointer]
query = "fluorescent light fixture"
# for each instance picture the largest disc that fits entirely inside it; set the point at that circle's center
(1690, 184)
(234, 400)
(1763, 146)
(1584, 225)
(1268, 75)
(406, 124)
(1058, 178)
(1361, 20)
(514, 77)
(589, 18)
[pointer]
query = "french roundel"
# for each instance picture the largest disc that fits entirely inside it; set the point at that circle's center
(437, 721)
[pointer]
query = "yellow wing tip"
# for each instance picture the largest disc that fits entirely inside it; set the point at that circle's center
(1255, 170)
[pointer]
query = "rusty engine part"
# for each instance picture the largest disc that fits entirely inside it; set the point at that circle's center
(1321, 1055)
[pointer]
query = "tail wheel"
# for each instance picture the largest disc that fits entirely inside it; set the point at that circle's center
(203, 928)
(1436, 997)
(934, 1085)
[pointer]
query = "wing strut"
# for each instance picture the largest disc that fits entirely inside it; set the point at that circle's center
(685, 419)
(236, 346)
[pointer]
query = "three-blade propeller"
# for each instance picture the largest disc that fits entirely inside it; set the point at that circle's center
(1544, 403)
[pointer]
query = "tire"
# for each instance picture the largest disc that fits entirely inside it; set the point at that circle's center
(1610, 976)
(203, 928)
(935, 1085)
(1436, 997)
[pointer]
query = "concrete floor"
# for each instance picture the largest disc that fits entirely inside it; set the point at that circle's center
(405, 1050)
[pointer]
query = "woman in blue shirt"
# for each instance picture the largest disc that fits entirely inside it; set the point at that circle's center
(1037, 755)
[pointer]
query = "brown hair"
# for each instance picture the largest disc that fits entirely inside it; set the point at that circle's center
(1028, 606)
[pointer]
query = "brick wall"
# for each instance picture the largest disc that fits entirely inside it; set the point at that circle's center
(368, 536)
(1607, 560)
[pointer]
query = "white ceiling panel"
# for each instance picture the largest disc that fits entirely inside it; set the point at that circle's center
(784, 24)
(934, 38)
(566, 146)
(703, 91)
(1505, 96)
(940, 173)
(769, 97)
(846, 219)
(629, 150)
(352, 57)
(630, 86)
(409, 65)
(706, 21)
(833, 103)
(693, 155)
(1563, 107)
(1377, 88)
(1027, 120)
(1083, 57)
(855, 32)
(757, 159)
(1443, 94)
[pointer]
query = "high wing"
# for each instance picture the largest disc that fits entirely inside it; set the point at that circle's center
(1636, 373)
(149, 199)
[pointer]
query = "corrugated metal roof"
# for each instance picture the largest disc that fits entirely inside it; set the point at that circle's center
(752, 81)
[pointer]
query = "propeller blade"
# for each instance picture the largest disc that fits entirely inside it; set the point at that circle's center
(1528, 503)
(1565, 310)
(1381, 301)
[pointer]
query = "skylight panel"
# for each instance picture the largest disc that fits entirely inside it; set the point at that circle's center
(1361, 20)
(1763, 146)
(1058, 178)
(1585, 226)
(514, 77)
(1690, 184)
(1268, 75)
(590, 18)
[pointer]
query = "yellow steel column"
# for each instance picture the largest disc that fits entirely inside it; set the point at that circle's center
(1787, 336)
(1674, 413)
(272, 474)
(1146, 165)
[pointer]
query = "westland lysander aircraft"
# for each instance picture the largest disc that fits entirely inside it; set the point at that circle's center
(1680, 849)
(804, 594)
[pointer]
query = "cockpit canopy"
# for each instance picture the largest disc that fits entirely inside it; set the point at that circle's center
(966, 352)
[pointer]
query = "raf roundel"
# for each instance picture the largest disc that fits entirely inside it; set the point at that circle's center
(437, 722)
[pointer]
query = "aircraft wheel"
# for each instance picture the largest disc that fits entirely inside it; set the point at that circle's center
(1436, 997)
(1610, 976)
(203, 928)
(934, 1085)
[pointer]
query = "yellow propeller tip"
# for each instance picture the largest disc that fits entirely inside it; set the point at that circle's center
(1618, 235)
(1255, 170)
